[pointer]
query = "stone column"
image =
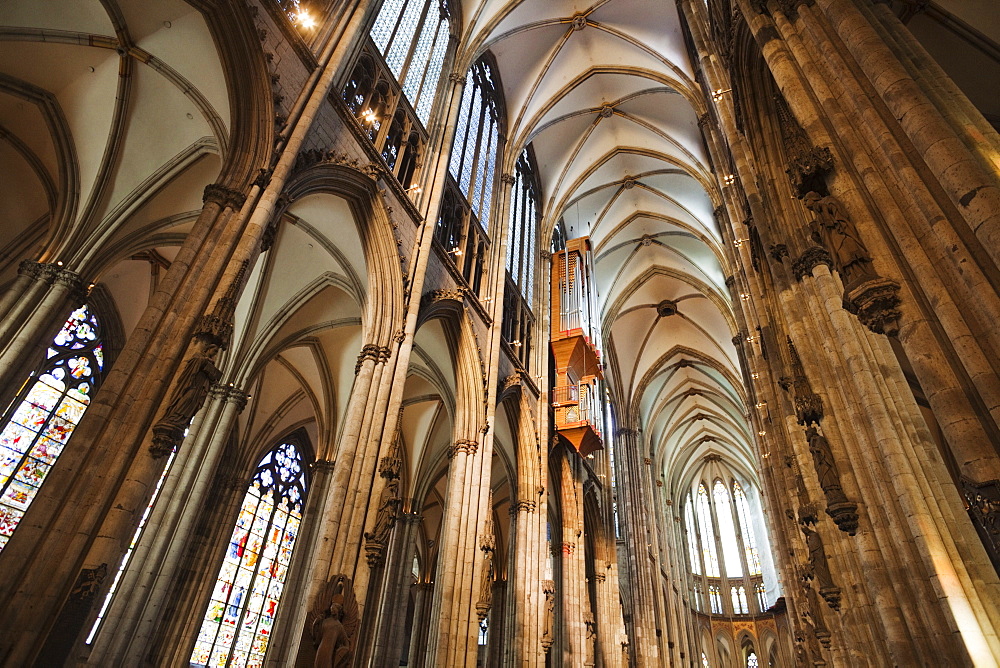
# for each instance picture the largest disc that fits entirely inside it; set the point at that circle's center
(422, 602)
(575, 602)
(391, 604)
(48, 293)
(136, 611)
(637, 533)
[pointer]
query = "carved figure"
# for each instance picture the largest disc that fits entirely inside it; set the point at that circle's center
(548, 632)
(335, 624)
(388, 504)
(826, 467)
(192, 386)
(839, 236)
(818, 566)
(591, 624)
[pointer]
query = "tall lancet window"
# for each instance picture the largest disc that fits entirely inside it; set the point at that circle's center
(412, 36)
(237, 625)
(725, 558)
(477, 139)
(44, 414)
(707, 533)
(523, 225)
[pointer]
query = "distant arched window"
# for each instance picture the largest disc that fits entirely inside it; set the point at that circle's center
(523, 225)
(708, 533)
(752, 660)
(722, 546)
(477, 139)
(44, 414)
(236, 628)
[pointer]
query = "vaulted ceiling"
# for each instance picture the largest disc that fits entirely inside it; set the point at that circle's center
(604, 92)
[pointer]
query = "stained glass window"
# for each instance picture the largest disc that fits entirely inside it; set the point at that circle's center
(739, 596)
(707, 533)
(715, 596)
(237, 624)
(477, 140)
(692, 536)
(704, 661)
(746, 528)
(727, 530)
(752, 660)
(44, 414)
(413, 38)
(522, 224)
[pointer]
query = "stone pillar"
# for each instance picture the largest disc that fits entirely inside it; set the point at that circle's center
(45, 294)
(136, 611)
(423, 597)
(575, 602)
(388, 636)
(637, 533)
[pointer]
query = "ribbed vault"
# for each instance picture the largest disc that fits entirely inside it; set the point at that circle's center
(605, 94)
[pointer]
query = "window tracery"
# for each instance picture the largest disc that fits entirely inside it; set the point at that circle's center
(237, 624)
(720, 525)
(392, 87)
(44, 414)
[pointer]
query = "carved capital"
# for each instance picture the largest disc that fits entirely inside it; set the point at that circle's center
(778, 252)
(600, 577)
(876, 303)
(983, 502)
(465, 446)
(369, 351)
(323, 465)
(30, 268)
(812, 257)
(223, 196)
(508, 179)
(457, 78)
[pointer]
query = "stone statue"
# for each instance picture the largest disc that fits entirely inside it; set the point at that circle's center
(549, 622)
(819, 568)
(192, 386)
(387, 508)
(826, 467)
(591, 624)
(839, 236)
(335, 623)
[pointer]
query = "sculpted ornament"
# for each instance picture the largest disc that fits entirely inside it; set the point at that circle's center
(838, 506)
(839, 236)
(548, 632)
(188, 397)
(333, 624)
(378, 538)
(818, 568)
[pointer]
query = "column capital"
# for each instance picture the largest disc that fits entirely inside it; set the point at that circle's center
(464, 445)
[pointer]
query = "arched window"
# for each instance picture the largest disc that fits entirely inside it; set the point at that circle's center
(707, 533)
(692, 536)
(752, 660)
(44, 414)
(723, 519)
(727, 530)
(477, 139)
(237, 625)
(523, 225)
(704, 661)
(746, 529)
(715, 596)
(391, 88)
(412, 36)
